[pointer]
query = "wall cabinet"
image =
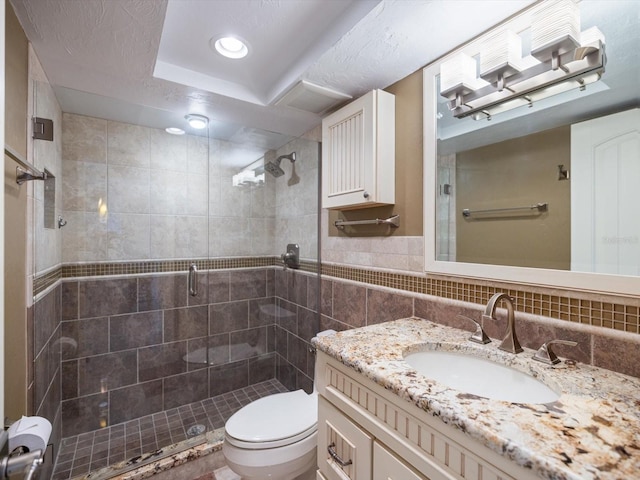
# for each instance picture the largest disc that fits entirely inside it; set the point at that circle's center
(367, 433)
(358, 153)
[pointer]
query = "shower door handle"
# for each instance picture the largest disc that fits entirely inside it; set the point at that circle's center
(193, 280)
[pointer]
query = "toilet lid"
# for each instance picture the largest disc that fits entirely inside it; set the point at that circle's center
(274, 417)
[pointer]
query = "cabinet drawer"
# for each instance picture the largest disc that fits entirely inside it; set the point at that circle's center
(387, 466)
(344, 449)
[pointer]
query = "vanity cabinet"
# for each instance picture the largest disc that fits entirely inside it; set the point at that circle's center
(358, 153)
(380, 436)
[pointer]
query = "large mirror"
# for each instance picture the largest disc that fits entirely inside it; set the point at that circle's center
(529, 185)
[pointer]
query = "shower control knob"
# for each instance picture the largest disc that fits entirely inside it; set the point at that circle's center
(365, 194)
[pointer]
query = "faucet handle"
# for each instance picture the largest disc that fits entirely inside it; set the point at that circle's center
(546, 355)
(479, 336)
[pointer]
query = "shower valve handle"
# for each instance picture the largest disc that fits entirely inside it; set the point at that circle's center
(292, 257)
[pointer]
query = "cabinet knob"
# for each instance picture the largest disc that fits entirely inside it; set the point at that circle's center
(365, 194)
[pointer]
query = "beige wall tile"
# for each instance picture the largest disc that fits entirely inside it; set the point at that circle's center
(168, 193)
(83, 185)
(129, 190)
(234, 201)
(128, 237)
(84, 139)
(197, 195)
(178, 236)
(168, 152)
(197, 154)
(128, 144)
(229, 236)
(84, 238)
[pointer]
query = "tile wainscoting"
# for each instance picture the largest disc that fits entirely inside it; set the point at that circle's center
(109, 349)
(353, 298)
(103, 343)
(138, 344)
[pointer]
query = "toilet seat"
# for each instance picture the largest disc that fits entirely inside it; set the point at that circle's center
(273, 421)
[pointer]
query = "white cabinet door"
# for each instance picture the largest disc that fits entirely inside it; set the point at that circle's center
(344, 449)
(387, 466)
(358, 153)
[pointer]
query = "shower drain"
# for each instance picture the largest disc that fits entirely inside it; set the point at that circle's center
(195, 430)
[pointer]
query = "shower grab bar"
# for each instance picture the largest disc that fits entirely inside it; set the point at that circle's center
(193, 280)
(25, 171)
(393, 221)
(541, 207)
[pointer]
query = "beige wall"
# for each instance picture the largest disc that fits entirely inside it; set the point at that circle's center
(518, 172)
(15, 219)
(408, 93)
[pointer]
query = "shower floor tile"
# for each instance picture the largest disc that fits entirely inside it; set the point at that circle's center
(81, 454)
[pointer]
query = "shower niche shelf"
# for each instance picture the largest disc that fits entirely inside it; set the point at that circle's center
(358, 153)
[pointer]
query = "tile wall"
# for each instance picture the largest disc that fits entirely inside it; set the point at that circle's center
(139, 344)
(138, 200)
(348, 304)
(137, 193)
(44, 371)
(44, 255)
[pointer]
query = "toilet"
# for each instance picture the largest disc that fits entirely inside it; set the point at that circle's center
(274, 437)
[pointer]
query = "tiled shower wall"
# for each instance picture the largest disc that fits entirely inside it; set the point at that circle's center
(44, 247)
(138, 193)
(44, 333)
(136, 345)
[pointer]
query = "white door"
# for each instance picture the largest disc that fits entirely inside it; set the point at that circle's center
(605, 194)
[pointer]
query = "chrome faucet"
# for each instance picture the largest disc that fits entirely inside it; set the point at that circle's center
(478, 336)
(510, 341)
(548, 356)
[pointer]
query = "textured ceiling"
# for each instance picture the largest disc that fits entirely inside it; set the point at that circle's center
(100, 55)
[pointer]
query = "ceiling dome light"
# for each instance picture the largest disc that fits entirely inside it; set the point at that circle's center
(174, 130)
(197, 121)
(230, 47)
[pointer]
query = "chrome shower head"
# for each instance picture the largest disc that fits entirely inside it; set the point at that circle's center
(273, 166)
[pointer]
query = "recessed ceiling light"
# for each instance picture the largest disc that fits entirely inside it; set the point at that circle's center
(174, 130)
(197, 121)
(230, 47)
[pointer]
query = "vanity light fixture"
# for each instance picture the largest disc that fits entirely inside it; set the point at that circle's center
(197, 121)
(230, 46)
(174, 130)
(561, 59)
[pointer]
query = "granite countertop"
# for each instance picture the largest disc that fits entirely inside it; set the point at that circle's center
(591, 432)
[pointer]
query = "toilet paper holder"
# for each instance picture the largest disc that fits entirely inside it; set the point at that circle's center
(27, 463)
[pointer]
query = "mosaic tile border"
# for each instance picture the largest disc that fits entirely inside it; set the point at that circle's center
(44, 281)
(162, 266)
(615, 312)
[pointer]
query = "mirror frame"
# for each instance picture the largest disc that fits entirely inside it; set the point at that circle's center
(542, 277)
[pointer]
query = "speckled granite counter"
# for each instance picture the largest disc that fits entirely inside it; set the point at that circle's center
(591, 432)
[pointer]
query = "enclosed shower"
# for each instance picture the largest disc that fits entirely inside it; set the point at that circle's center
(168, 306)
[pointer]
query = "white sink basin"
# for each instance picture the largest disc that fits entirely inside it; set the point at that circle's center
(480, 377)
